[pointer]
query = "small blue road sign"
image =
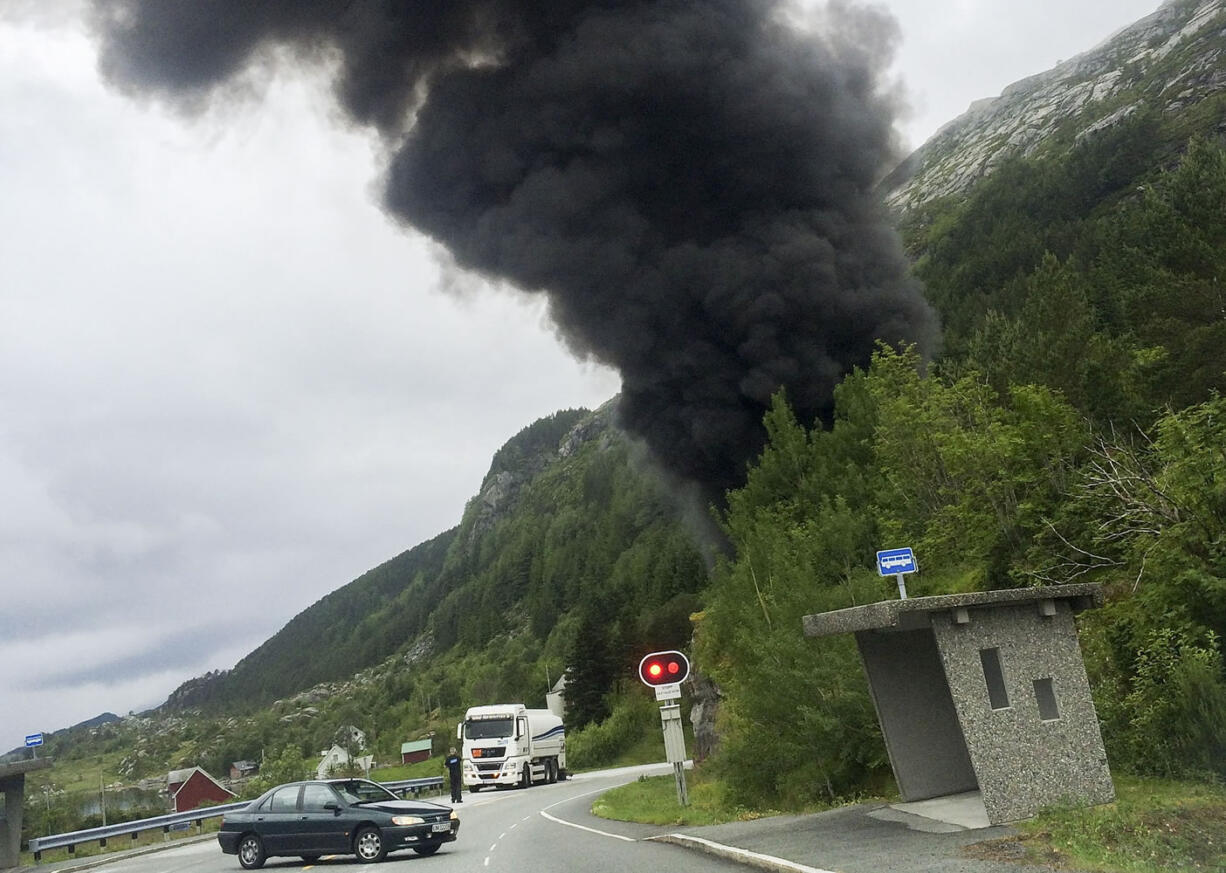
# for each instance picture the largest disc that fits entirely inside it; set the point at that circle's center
(33, 740)
(892, 562)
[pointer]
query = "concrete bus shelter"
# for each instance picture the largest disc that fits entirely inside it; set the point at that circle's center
(13, 786)
(984, 691)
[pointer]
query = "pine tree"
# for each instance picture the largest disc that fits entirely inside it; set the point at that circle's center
(590, 673)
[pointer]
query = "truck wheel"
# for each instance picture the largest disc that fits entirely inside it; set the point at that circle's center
(551, 770)
(474, 788)
(562, 774)
(525, 778)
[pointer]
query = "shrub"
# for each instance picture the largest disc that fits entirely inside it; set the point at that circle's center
(600, 743)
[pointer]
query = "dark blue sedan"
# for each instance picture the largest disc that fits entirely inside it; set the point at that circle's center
(334, 817)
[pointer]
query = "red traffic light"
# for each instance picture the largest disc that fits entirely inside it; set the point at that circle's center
(664, 668)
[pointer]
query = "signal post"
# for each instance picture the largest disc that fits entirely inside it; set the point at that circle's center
(664, 672)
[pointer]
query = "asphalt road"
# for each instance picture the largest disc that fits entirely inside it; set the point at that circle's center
(544, 829)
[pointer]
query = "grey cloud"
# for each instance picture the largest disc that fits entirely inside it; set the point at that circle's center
(177, 642)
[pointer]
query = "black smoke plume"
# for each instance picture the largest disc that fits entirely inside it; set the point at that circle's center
(691, 182)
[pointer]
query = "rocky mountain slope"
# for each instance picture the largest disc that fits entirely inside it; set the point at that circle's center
(1171, 62)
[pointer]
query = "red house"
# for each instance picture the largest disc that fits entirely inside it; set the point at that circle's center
(191, 787)
(414, 751)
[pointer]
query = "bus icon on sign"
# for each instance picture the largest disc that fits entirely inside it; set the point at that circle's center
(895, 561)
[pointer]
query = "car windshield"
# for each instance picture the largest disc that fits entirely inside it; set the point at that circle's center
(488, 728)
(363, 791)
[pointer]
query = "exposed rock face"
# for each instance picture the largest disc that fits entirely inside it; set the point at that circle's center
(193, 691)
(1166, 61)
(500, 489)
(703, 714)
(598, 425)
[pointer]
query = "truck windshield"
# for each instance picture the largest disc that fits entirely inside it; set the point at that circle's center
(488, 728)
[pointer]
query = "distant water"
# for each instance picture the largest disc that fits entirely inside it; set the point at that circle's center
(124, 798)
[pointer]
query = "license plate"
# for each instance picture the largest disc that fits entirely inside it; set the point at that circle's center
(441, 827)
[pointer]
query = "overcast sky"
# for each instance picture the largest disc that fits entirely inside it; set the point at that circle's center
(228, 385)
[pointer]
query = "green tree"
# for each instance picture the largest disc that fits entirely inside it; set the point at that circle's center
(801, 535)
(966, 477)
(590, 671)
(288, 765)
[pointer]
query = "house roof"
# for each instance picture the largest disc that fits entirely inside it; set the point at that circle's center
(195, 770)
(178, 777)
(416, 746)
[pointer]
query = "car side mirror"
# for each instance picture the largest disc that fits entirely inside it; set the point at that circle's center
(335, 807)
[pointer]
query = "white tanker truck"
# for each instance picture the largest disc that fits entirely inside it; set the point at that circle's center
(509, 744)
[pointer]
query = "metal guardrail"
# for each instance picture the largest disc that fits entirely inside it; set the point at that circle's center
(38, 845)
(417, 786)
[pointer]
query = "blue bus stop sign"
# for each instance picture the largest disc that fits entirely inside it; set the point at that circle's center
(894, 561)
(897, 563)
(34, 740)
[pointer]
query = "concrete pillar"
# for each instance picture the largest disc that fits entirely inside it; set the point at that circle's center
(10, 825)
(13, 784)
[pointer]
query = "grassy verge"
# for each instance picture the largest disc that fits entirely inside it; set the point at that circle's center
(653, 800)
(1153, 827)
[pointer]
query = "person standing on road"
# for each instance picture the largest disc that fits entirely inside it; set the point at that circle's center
(453, 771)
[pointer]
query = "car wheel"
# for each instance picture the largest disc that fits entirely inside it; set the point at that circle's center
(368, 845)
(251, 852)
(427, 850)
(309, 859)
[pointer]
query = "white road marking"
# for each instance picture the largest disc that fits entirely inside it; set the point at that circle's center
(571, 824)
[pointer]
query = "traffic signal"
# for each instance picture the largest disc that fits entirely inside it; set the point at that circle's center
(664, 668)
